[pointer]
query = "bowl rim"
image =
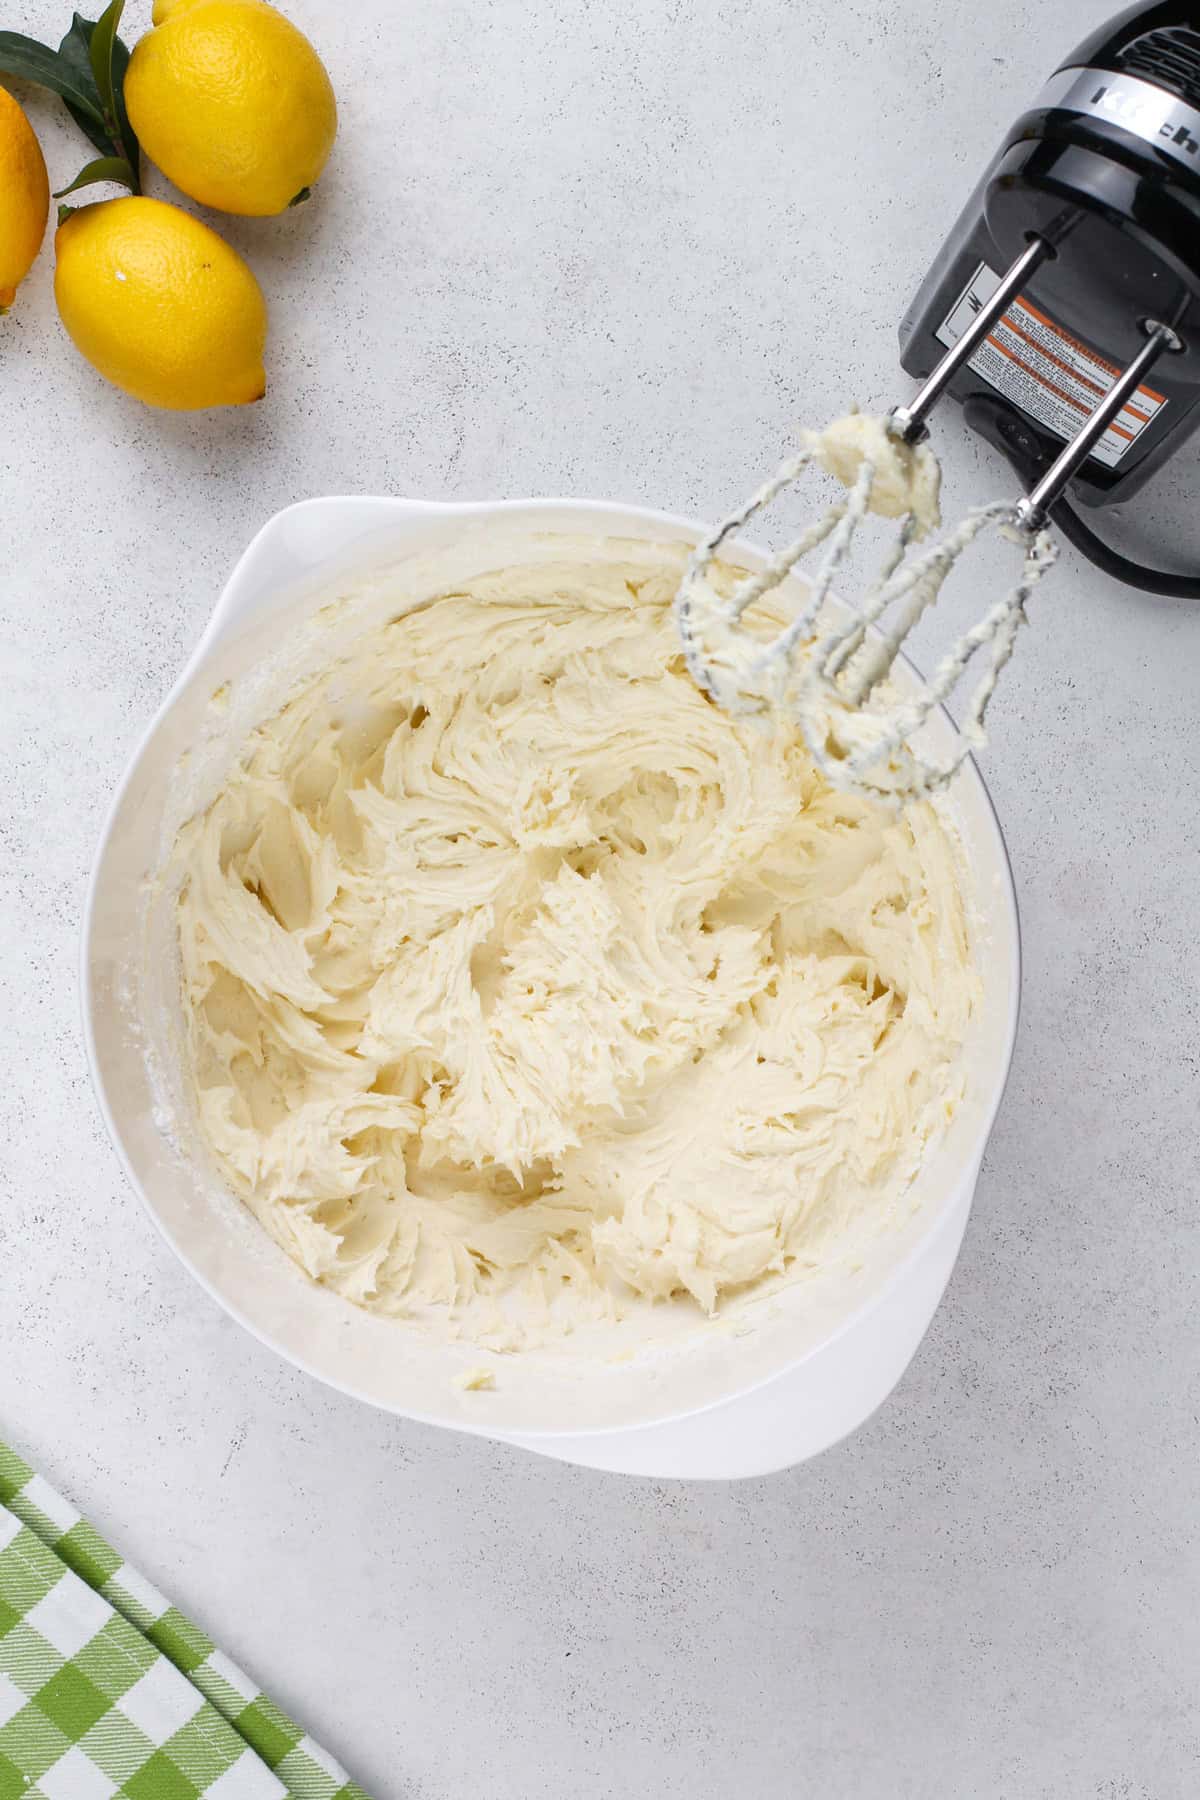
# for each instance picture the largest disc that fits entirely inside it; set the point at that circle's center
(210, 636)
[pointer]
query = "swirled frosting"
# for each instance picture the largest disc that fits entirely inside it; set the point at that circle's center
(520, 980)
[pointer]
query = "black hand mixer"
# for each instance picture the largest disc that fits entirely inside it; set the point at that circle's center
(1063, 313)
(1073, 274)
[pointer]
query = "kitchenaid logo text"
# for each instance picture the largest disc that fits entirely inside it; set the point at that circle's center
(1131, 110)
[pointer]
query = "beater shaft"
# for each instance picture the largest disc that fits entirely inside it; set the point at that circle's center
(1034, 510)
(908, 422)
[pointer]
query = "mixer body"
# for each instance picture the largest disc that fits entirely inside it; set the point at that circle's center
(1104, 169)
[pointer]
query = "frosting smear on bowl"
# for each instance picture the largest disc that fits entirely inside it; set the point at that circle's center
(520, 981)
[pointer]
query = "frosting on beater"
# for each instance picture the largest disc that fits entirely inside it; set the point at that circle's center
(907, 479)
(829, 666)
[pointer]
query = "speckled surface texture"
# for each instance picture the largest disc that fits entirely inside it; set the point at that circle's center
(622, 250)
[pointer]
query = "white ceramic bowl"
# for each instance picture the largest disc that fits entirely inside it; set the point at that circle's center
(803, 1369)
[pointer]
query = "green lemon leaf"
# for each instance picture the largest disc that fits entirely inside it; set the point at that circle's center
(103, 168)
(97, 60)
(74, 55)
(88, 72)
(101, 48)
(28, 60)
(128, 137)
(100, 51)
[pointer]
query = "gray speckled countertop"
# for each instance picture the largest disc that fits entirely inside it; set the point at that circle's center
(621, 249)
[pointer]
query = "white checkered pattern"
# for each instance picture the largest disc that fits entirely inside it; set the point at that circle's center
(161, 1702)
(11, 1699)
(248, 1779)
(76, 1777)
(228, 1671)
(145, 1596)
(51, 1505)
(69, 1616)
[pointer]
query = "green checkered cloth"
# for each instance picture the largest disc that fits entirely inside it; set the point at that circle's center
(107, 1690)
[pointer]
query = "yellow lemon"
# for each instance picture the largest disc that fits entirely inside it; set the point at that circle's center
(24, 197)
(232, 103)
(161, 305)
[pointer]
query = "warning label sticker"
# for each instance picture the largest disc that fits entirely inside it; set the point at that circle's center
(1051, 375)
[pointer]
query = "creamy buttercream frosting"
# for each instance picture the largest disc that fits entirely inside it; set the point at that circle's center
(907, 482)
(520, 981)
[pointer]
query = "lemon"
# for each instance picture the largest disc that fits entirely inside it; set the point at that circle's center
(232, 103)
(24, 197)
(160, 304)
